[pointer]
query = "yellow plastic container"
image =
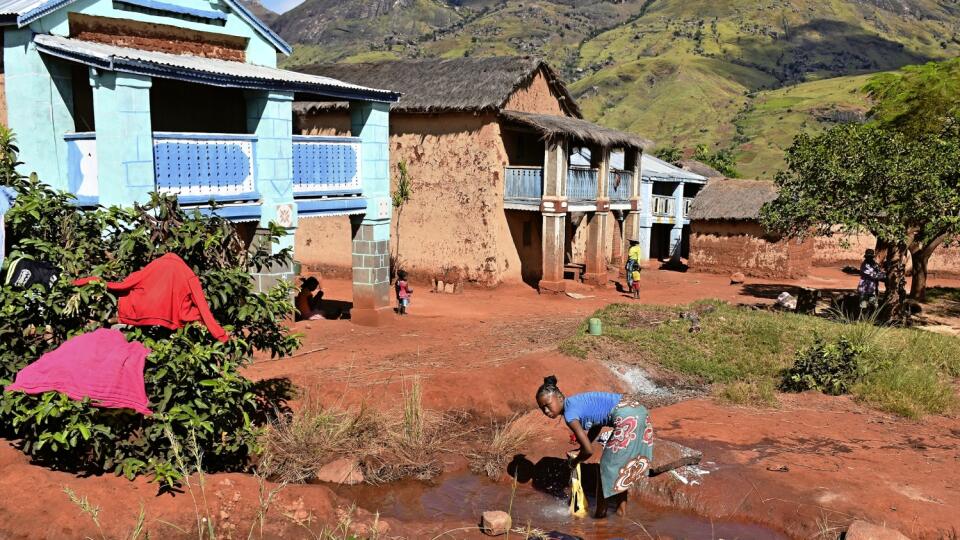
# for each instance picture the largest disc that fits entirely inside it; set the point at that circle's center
(578, 499)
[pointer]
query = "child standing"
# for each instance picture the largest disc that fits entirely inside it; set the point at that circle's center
(404, 292)
(635, 282)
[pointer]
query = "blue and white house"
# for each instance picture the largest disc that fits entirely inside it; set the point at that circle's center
(114, 99)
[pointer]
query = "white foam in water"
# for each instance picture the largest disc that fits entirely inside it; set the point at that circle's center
(637, 380)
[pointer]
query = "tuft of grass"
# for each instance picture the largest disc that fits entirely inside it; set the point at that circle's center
(760, 393)
(506, 440)
(301, 443)
(905, 371)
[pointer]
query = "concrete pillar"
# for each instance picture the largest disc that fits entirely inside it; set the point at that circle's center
(599, 232)
(121, 110)
(372, 297)
(270, 118)
(39, 106)
(676, 233)
(553, 208)
(631, 222)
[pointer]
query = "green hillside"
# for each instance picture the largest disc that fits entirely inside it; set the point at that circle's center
(737, 74)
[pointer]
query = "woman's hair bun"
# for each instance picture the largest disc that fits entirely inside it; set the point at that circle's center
(550, 380)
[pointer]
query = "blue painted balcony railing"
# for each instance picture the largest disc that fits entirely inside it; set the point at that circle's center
(662, 205)
(326, 166)
(618, 185)
(198, 167)
(523, 183)
(82, 178)
(582, 184)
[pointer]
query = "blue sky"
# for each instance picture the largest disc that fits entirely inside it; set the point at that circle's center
(281, 6)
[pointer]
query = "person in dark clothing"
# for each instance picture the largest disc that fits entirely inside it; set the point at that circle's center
(870, 277)
(308, 302)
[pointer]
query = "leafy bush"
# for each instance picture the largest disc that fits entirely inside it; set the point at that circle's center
(831, 368)
(192, 381)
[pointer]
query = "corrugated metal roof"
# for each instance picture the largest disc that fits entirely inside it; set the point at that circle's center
(27, 11)
(650, 167)
(201, 70)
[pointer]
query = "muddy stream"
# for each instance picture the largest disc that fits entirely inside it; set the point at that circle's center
(462, 497)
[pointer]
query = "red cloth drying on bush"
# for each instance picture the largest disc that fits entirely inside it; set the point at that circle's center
(100, 365)
(164, 293)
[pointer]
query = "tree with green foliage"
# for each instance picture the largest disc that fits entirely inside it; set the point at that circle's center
(400, 196)
(721, 160)
(904, 191)
(193, 382)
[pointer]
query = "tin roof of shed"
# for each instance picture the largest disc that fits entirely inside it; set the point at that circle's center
(196, 69)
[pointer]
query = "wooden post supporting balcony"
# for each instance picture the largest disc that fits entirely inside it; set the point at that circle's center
(631, 224)
(554, 210)
(599, 225)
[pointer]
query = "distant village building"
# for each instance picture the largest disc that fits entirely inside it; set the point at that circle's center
(726, 235)
(114, 99)
(488, 145)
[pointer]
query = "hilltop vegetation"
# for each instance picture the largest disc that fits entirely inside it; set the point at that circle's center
(739, 74)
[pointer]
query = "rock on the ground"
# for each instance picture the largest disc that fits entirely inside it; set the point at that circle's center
(861, 530)
(342, 471)
(668, 455)
(737, 278)
(495, 522)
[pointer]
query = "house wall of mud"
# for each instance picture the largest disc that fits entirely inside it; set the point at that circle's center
(455, 221)
(727, 247)
(838, 251)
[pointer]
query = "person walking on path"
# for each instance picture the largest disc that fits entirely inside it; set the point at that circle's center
(870, 277)
(628, 451)
(633, 262)
(404, 292)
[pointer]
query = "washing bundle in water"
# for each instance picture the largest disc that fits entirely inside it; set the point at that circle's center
(578, 500)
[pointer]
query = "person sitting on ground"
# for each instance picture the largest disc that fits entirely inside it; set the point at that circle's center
(628, 451)
(404, 292)
(635, 283)
(870, 277)
(308, 301)
(633, 262)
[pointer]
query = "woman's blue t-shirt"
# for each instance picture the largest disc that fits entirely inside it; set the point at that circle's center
(590, 408)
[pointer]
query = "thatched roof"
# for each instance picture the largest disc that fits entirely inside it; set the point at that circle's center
(455, 85)
(699, 167)
(555, 128)
(730, 199)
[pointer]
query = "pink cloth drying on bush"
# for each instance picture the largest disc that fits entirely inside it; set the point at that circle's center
(100, 365)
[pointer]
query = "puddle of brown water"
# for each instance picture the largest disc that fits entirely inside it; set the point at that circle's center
(463, 497)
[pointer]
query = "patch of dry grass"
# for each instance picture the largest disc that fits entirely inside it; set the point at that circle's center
(506, 440)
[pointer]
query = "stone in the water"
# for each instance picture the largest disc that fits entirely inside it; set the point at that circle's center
(861, 530)
(342, 471)
(495, 522)
(668, 455)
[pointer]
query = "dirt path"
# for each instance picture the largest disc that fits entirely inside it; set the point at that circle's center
(486, 352)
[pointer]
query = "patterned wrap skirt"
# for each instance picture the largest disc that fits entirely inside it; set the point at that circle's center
(628, 453)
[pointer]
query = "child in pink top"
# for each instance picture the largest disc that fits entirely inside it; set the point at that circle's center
(404, 292)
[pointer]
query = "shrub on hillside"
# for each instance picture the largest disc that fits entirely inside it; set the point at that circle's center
(831, 368)
(192, 381)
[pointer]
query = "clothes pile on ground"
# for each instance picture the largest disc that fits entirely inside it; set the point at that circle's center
(102, 365)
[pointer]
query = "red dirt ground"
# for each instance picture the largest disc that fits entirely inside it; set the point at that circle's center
(486, 351)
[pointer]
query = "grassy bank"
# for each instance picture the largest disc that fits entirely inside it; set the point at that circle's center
(744, 352)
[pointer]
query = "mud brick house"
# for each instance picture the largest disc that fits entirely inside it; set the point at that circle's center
(666, 193)
(114, 99)
(486, 142)
(726, 235)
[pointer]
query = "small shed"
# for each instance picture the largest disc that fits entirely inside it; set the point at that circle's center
(727, 237)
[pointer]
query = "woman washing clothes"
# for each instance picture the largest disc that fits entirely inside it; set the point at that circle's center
(627, 453)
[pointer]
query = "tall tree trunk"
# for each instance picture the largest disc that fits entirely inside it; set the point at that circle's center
(895, 265)
(921, 261)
